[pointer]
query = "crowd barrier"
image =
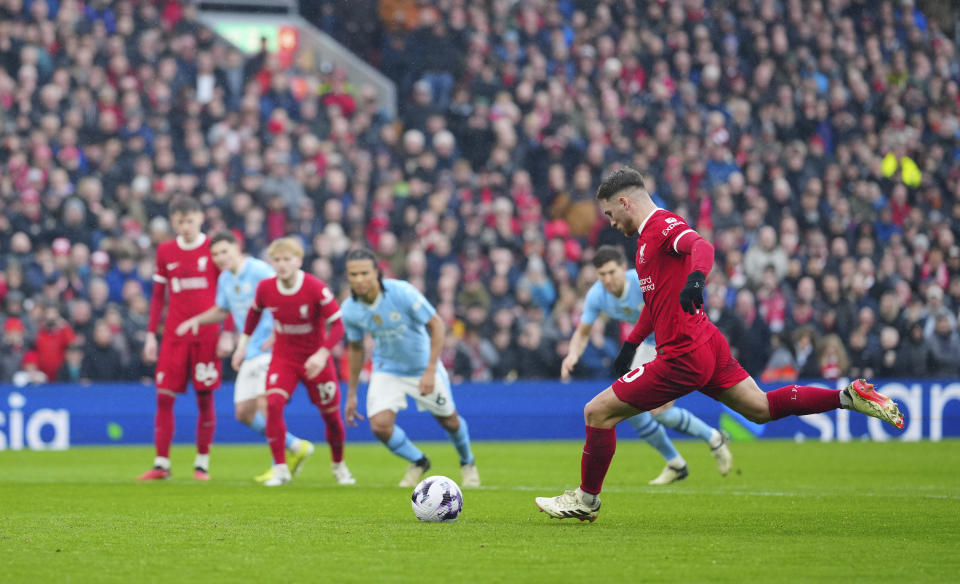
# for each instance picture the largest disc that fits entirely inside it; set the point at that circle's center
(59, 416)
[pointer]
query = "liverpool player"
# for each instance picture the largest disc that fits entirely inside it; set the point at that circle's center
(307, 326)
(186, 270)
(672, 264)
(239, 276)
(616, 293)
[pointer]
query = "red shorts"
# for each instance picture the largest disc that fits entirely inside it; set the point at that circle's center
(196, 360)
(710, 369)
(324, 390)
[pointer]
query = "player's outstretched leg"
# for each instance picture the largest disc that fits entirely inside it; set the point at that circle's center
(206, 426)
(681, 420)
(648, 429)
(276, 431)
(797, 400)
(163, 426)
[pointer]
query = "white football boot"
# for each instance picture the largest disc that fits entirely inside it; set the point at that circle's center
(568, 505)
(281, 476)
(342, 473)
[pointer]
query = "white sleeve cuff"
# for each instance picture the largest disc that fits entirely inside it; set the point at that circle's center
(677, 239)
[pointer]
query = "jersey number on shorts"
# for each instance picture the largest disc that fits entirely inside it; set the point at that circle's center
(628, 377)
(327, 391)
(440, 399)
(206, 373)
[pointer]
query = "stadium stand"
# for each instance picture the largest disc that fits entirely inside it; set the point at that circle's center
(816, 144)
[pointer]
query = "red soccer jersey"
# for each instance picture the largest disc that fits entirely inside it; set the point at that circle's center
(663, 273)
(191, 279)
(301, 315)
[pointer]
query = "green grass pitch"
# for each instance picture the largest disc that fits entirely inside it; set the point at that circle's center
(809, 512)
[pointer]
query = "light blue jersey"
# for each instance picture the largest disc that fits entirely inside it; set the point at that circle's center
(235, 293)
(625, 308)
(396, 321)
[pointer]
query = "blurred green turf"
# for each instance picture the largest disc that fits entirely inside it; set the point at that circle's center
(807, 512)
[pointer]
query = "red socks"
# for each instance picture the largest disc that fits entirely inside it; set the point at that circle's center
(597, 454)
(206, 421)
(335, 433)
(276, 427)
(163, 424)
(797, 400)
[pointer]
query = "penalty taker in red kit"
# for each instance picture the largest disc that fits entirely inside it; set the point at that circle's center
(692, 355)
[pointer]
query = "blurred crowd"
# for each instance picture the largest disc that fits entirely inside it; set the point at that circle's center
(815, 143)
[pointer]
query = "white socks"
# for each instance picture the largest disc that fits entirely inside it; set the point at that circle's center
(587, 498)
(716, 439)
(202, 461)
(162, 462)
(846, 402)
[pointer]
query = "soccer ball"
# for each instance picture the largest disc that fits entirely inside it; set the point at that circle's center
(437, 499)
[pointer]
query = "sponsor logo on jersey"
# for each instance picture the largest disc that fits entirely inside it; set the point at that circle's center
(202, 263)
(647, 285)
(294, 329)
(377, 320)
(626, 310)
(273, 308)
(671, 226)
(182, 284)
(303, 311)
(640, 258)
(172, 265)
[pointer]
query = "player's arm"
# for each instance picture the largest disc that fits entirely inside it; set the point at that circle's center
(330, 314)
(436, 329)
(209, 316)
(578, 344)
(701, 252)
(157, 301)
(355, 357)
(249, 325)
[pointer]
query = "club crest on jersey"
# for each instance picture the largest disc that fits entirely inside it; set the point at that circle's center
(395, 316)
(236, 289)
(273, 378)
(626, 310)
(202, 263)
(377, 320)
(640, 258)
(303, 311)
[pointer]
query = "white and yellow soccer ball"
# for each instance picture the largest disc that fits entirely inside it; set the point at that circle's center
(437, 499)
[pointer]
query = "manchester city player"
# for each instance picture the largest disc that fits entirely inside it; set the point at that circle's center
(407, 336)
(236, 286)
(617, 294)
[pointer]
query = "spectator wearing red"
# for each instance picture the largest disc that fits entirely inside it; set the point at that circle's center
(53, 338)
